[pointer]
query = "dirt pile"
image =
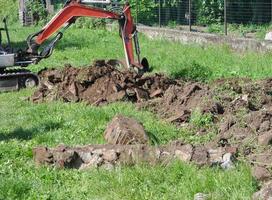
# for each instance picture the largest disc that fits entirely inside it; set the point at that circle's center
(237, 111)
(99, 84)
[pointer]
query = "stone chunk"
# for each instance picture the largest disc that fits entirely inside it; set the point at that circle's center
(42, 156)
(268, 36)
(125, 131)
(265, 193)
(265, 139)
(200, 156)
(184, 152)
(227, 161)
(261, 173)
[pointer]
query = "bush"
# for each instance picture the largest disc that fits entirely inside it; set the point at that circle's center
(37, 10)
(210, 11)
(147, 11)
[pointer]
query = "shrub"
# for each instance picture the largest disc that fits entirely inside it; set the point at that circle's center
(37, 10)
(210, 11)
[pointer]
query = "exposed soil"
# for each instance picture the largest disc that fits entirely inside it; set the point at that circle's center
(238, 111)
(98, 85)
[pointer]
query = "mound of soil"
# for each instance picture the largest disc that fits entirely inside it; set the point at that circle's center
(237, 111)
(99, 84)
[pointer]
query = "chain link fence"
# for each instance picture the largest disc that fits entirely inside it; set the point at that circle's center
(222, 16)
(230, 17)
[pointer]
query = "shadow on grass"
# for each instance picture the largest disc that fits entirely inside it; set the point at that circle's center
(27, 134)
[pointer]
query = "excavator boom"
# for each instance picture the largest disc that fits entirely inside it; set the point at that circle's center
(74, 9)
(42, 43)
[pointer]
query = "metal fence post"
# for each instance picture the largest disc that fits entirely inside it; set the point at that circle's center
(159, 13)
(137, 11)
(225, 18)
(190, 15)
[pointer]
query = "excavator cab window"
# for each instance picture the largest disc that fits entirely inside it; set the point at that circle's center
(4, 30)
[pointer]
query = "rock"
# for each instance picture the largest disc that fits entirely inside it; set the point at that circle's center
(268, 36)
(265, 193)
(42, 156)
(223, 156)
(265, 126)
(264, 159)
(183, 116)
(227, 161)
(265, 139)
(261, 173)
(216, 156)
(67, 159)
(96, 161)
(201, 196)
(141, 94)
(107, 166)
(118, 96)
(232, 150)
(200, 156)
(184, 152)
(156, 93)
(228, 122)
(110, 155)
(124, 130)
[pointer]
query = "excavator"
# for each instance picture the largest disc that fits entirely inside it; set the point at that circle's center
(40, 45)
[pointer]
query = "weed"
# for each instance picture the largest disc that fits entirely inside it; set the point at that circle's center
(200, 119)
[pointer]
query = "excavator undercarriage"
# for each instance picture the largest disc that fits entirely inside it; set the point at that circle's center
(18, 77)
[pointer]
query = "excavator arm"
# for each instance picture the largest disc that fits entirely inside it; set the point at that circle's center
(71, 11)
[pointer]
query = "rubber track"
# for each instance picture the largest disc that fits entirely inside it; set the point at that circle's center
(16, 73)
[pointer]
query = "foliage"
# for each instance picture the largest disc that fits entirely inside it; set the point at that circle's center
(200, 119)
(147, 11)
(210, 11)
(215, 28)
(37, 10)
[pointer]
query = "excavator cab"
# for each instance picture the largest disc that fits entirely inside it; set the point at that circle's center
(6, 55)
(12, 77)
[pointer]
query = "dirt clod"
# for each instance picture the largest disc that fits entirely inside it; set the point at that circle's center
(265, 138)
(261, 173)
(200, 156)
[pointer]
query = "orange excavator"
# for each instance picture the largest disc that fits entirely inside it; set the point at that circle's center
(17, 78)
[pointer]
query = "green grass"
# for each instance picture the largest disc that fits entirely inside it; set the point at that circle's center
(24, 125)
(81, 46)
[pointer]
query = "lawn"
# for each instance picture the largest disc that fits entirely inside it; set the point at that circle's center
(24, 125)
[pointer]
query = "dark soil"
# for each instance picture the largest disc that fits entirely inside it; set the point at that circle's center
(98, 85)
(239, 111)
